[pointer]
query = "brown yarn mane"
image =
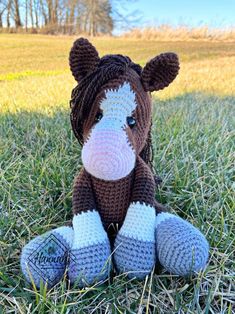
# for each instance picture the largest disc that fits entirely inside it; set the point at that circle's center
(84, 94)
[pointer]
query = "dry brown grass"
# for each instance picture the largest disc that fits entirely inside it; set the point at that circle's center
(184, 33)
(163, 32)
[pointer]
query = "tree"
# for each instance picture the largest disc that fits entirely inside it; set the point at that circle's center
(17, 18)
(26, 15)
(31, 12)
(36, 11)
(9, 11)
(97, 17)
(3, 7)
(92, 17)
(44, 13)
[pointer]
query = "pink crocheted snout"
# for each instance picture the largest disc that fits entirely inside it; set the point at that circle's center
(108, 155)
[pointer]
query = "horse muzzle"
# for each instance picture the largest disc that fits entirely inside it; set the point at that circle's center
(108, 154)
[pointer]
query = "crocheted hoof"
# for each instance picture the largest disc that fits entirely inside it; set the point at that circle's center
(135, 244)
(181, 248)
(89, 264)
(44, 259)
(134, 257)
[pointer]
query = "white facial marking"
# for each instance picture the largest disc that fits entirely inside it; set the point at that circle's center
(108, 154)
(118, 105)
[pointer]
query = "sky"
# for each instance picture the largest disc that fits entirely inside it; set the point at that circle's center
(214, 13)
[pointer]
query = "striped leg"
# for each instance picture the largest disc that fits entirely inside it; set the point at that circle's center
(135, 244)
(90, 254)
(181, 248)
(44, 259)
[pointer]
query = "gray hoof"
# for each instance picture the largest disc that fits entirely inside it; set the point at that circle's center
(89, 264)
(135, 257)
(44, 259)
(181, 248)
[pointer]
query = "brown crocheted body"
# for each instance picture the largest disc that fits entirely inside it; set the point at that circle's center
(112, 199)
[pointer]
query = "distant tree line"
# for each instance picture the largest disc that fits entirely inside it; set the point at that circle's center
(92, 17)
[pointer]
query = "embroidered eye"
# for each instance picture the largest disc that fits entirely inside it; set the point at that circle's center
(98, 116)
(131, 122)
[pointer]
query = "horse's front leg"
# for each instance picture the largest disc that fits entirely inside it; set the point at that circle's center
(90, 253)
(134, 249)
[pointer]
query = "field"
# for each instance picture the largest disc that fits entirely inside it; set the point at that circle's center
(194, 142)
(166, 32)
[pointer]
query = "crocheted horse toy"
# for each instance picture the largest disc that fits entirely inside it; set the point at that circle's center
(116, 217)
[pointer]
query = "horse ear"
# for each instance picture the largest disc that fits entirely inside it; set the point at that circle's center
(160, 71)
(83, 58)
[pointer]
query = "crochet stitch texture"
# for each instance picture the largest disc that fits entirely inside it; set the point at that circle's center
(117, 220)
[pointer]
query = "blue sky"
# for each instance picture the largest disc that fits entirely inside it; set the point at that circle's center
(214, 13)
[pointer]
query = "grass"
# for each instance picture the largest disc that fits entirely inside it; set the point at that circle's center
(194, 141)
(166, 32)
